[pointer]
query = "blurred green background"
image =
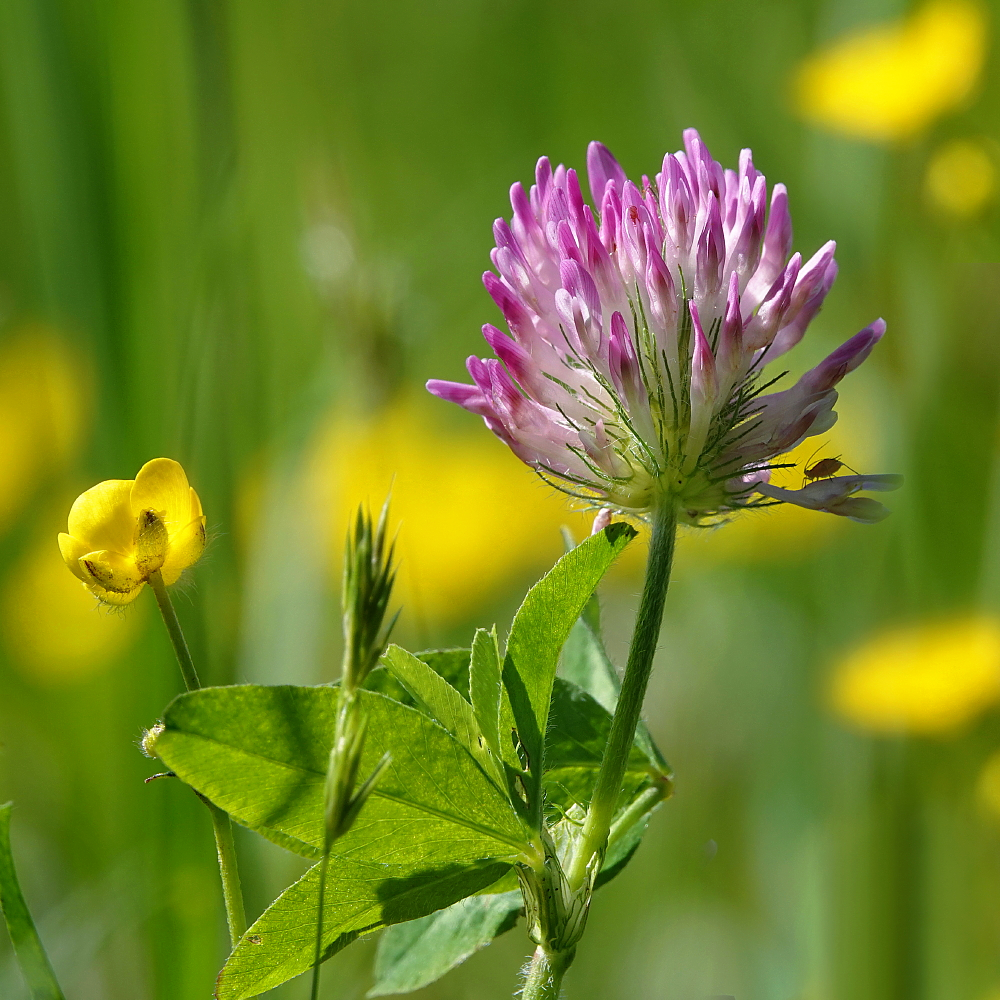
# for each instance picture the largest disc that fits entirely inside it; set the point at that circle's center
(243, 233)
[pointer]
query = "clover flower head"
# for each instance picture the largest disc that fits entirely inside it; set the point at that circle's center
(638, 330)
(123, 530)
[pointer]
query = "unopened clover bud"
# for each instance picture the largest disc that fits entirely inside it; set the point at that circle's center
(122, 531)
(601, 521)
(369, 573)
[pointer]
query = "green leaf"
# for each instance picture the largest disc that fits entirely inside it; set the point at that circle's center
(418, 953)
(540, 628)
(578, 731)
(415, 954)
(361, 896)
(31, 957)
(438, 699)
(260, 753)
(586, 664)
(485, 687)
(452, 665)
(380, 679)
(432, 694)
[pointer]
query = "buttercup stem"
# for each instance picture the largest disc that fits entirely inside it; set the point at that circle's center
(627, 712)
(222, 826)
(543, 976)
(166, 606)
(232, 891)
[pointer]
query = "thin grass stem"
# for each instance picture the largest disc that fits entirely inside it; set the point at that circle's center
(222, 825)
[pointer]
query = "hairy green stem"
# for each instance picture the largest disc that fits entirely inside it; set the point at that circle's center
(543, 976)
(232, 891)
(222, 826)
(628, 710)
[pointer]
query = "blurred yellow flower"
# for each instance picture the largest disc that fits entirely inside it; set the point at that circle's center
(471, 515)
(42, 412)
(123, 530)
(53, 631)
(961, 178)
(891, 81)
(929, 678)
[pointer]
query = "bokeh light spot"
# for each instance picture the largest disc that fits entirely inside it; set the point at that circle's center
(42, 412)
(961, 178)
(54, 629)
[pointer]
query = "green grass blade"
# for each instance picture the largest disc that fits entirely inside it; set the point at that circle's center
(31, 957)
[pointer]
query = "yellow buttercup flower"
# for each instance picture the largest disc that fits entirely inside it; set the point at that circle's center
(123, 530)
(926, 679)
(891, 81)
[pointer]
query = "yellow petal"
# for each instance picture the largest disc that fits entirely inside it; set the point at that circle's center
(185, 549)
(102, 517)
(111, 571)
(196, 510)
(71, 549)
(110, 597)
(162, 485)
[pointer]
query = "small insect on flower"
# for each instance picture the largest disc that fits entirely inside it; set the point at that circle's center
(823, 469)
(122, 531)
(639, 329)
